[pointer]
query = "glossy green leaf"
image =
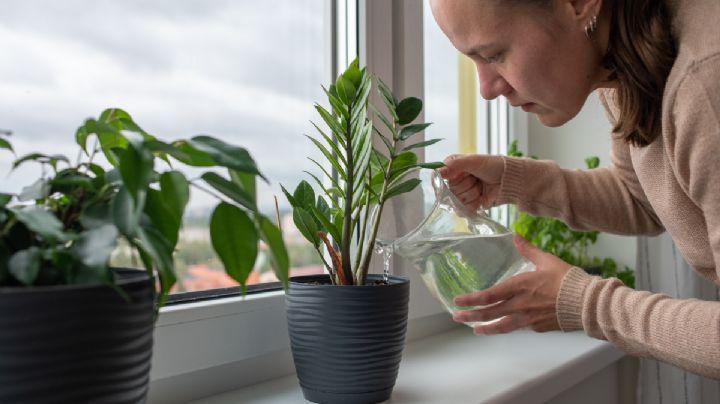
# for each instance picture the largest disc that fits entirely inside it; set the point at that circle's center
(402, 188)
(330, 121)
(345, 90)
(322, 186)
(136, 164)
(69, 183)
(592, 162)
(235, 239)
(338, 106)
(277, 251)
(329, 157)
(163, 217)
(94, 247)
(41, 221)
(5, 199)
(304, 195)
(327, 223)
(229, 189)
(307, 226)
(408, 109)
(289, 197)
(322, 206)
(410, 130)
(226, 155)
(422, 144)
(353, 73)
(4, 144)
(24, 265)
(334, 145)
(126, 214)
(183, 152)
(175, 192)
(432, 165)
(245, 181)
(160, 253)
(40, 158)
(96, 215)
(386, 94)
(403, 161)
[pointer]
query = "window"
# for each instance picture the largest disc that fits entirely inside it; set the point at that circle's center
(247, 72)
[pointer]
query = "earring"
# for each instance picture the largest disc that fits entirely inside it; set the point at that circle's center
(591, 27)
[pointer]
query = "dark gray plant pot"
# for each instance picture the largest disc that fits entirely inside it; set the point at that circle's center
(77, 344)
(347, 341)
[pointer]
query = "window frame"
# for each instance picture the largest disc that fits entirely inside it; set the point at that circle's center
(244, 339)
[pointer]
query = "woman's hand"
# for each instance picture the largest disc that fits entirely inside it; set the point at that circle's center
(525, 300)
(474, 179)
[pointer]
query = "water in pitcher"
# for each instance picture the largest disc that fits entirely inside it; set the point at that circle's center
(453, 265)
(457, 251)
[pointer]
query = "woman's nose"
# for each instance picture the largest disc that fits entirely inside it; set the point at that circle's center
(492, 84)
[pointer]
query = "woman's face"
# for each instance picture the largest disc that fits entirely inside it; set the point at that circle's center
(539, 60)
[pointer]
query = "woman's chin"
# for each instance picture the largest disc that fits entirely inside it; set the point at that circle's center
(552, 119)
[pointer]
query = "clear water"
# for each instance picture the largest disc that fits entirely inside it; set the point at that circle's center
(453, 265)
(385, 249)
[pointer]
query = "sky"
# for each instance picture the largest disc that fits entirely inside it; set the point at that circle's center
(245, 71)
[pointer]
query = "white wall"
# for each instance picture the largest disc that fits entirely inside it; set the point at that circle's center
(588, 134)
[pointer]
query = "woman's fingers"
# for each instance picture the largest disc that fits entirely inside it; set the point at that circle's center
(503, 326)
(502, 291)
(488, 313)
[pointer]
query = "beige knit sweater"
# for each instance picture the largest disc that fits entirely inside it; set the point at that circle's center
(672, 184)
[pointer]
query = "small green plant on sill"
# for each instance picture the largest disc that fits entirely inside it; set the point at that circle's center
(345, 218)
(554, 236)
(62, 229)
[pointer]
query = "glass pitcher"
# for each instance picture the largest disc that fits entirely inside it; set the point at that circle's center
(458, 251)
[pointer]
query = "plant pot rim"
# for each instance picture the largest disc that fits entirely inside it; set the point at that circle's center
(305, 280)
(131, 275)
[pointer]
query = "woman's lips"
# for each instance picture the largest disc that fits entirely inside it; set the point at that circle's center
(526, 107)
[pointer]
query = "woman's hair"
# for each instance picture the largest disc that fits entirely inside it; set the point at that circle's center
(641, 52)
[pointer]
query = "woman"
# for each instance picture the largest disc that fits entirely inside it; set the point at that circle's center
(657, 68)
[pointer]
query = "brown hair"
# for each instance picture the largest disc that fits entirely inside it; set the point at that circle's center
(641, 52)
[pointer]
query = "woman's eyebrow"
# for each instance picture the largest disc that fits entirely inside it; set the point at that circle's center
(477, 49)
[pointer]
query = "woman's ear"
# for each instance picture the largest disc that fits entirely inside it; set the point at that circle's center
(585, 9)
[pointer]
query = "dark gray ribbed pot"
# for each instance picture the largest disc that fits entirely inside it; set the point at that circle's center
(76, 344)
(347, 341)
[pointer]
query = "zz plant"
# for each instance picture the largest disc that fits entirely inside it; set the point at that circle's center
(62, 229)
(344, 219)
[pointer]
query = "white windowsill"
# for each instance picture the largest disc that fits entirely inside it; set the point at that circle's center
(459, 367)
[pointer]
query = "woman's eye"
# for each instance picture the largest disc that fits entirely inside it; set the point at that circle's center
(496, 58)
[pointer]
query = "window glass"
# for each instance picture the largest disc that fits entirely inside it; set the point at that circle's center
(245, 71)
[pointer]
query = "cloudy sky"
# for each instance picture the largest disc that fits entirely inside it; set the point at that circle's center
(246, 71)
(243, 70)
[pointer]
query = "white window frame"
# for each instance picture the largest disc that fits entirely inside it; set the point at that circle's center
(208, 347)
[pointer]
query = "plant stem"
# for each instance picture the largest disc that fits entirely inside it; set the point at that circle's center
(327, 266)
(207, 191)
(358, 274)
(365, 262)
(347, 220)
(10, 223)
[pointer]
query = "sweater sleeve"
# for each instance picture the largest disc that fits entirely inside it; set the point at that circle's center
(608, 199)
(684, 332)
